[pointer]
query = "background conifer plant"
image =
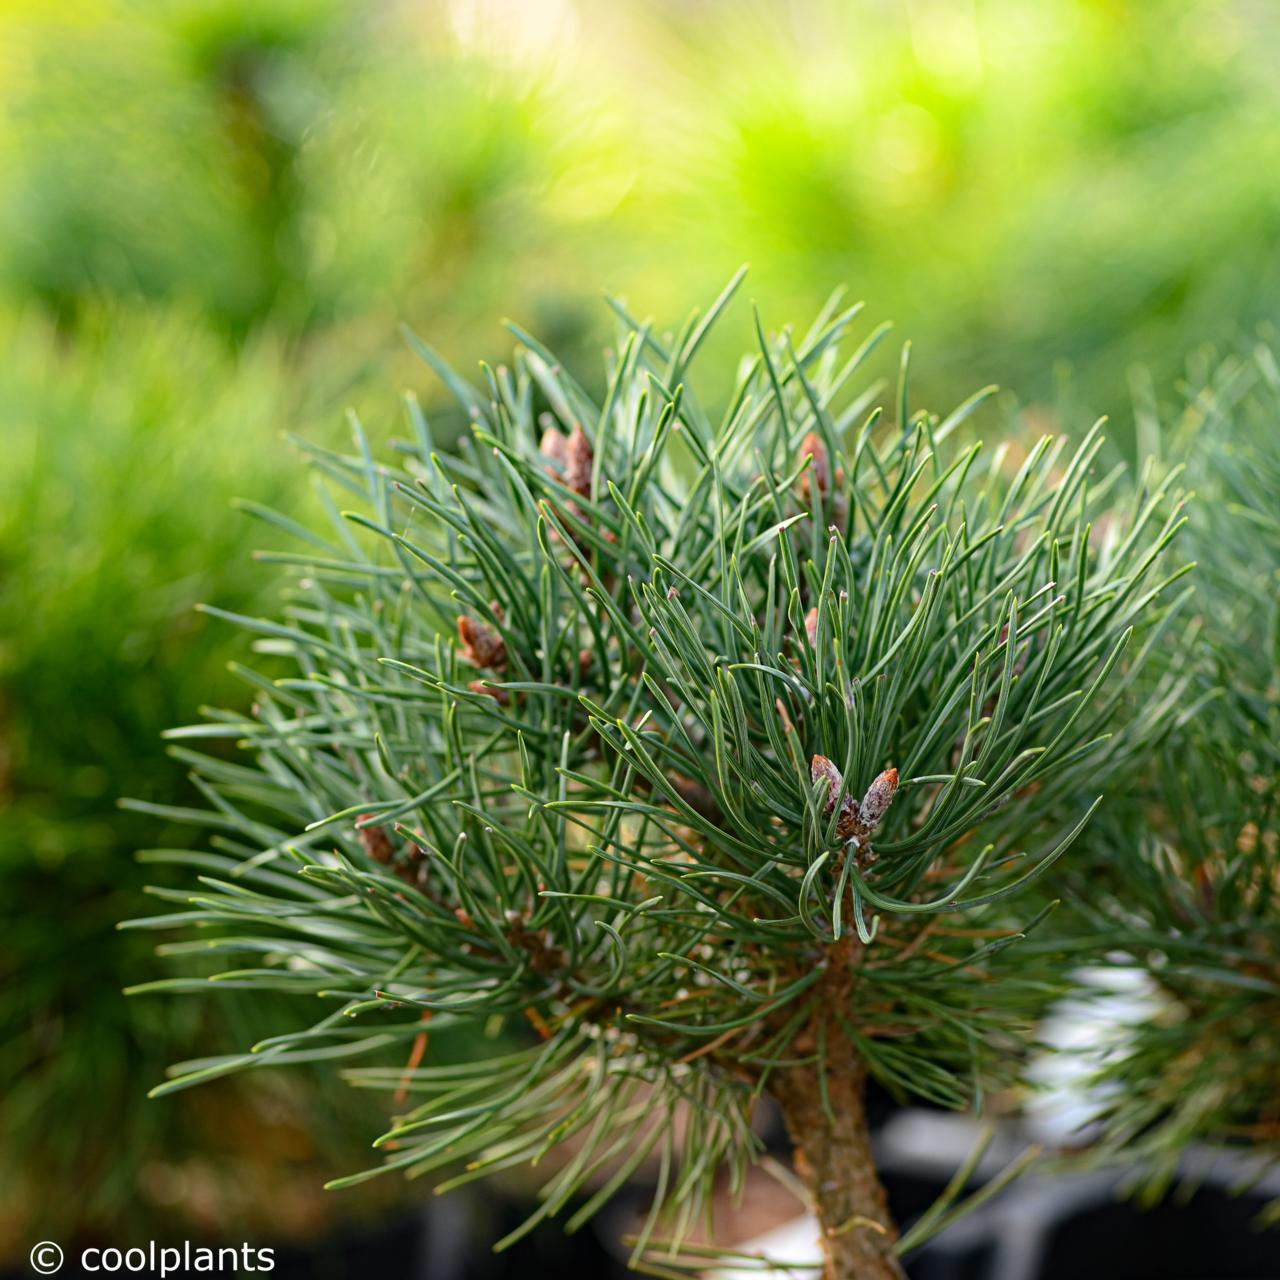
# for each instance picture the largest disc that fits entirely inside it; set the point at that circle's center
(688, 755)
(1182, 874)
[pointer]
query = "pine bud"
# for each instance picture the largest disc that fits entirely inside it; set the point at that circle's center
(377, 844)
(571, 458)
(819, 473)
(811, 630)
(847, 822)
(819, 483)
(579, 457)
(875, 804)
(499, 695)
(482, 645)
(822, 767)
(555, 448)
(413, 866)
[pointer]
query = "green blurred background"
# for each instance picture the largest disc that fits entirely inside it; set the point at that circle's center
(215, 213)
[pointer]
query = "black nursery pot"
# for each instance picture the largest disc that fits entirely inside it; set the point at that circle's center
(1076, 1228)
(400, 1247)
(486, 1214)
(1212, 1236)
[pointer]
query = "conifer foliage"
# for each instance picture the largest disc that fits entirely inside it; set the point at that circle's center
(689, 756)
(1182, 877)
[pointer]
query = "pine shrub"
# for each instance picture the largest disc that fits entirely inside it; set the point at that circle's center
(1182, 876)
(686, 754)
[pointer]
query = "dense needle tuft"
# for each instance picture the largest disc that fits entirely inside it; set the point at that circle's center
(622, 664)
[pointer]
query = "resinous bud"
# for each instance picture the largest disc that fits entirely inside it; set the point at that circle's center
(875, 804)
(483, 646)
(847, 822)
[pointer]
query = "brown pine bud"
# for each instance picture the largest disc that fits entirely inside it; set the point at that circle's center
(571, 463)
(811, 626)
(875, 804)
(499, 695)
(554, 447)
(376, 841)
(819, 472)
(822, 767)
(847, 822)
(482, 645)
(819, 484)
(579, 457)
(411, 864)
(422, 861)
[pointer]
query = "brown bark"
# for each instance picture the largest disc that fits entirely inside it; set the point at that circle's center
(833, 1148)
(836, 1164)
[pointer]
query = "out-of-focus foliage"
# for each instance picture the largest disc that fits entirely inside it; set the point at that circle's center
(1018, 182)
(213, 213)
(1184, 878)
(308, 165)
(122, 453)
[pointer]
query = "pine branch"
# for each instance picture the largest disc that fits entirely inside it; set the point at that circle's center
(591, 736)
(1185, 871)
